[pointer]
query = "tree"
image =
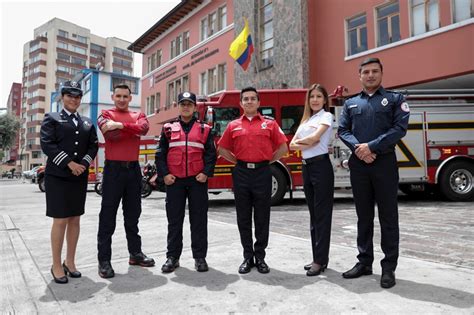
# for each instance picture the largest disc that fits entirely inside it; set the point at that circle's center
(9, 126)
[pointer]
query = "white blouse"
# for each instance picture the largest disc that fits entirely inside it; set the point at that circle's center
(309, 127)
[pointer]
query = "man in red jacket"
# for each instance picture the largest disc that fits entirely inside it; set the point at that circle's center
(122, 179)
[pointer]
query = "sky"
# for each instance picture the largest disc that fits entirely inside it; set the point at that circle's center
(127, 20)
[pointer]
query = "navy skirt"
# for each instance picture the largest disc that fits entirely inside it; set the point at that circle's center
(65, 196)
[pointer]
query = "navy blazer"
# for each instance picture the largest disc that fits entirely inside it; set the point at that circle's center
(62, 141)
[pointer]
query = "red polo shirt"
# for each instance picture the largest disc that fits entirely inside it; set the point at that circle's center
(123, 144)
(252, 140)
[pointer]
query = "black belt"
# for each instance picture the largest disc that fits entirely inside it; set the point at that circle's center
(252, 165)
(126, 164)
(315, 158)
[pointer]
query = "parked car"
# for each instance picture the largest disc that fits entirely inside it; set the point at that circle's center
(29, 174)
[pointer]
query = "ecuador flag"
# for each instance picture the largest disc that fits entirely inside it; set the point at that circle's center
(241, 48)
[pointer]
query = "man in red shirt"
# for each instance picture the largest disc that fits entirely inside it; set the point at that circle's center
(122, 179)
(252, 142)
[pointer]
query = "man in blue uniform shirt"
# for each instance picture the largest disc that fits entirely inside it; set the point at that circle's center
(371, 124)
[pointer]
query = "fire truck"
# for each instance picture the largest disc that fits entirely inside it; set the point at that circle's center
(437, 154)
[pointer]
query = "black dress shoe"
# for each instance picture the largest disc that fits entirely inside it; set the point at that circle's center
(105, 269)
(262, 266)
(246, 266)
(201, 265)
(316, 271)
(387, 280)
(308, 266)
(72, 274)
(170, 265)
(141, 260)
(61, 280)
(357, 271)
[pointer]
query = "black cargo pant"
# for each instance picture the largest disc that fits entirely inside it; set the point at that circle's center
(121, 181)
(176, 195)
(252, 191)
(372, 183)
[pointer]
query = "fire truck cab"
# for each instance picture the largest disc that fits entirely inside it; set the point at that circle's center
(437, 152)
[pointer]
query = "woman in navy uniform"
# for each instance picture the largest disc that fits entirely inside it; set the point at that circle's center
(70, 142)
(312, 138)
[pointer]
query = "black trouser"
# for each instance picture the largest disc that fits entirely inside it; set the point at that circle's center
(253, 190)
(196, 194)
(318, 178)
(120, 183)
(376, 182)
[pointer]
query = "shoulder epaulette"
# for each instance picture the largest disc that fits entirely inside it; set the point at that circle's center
(268, 117)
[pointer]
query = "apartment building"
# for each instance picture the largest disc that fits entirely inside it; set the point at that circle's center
(59, 51)
(14, 109)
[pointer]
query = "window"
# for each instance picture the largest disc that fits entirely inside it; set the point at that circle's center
(356, 35)
(63, 45)
(425, 16)
(34, 47)
(463, 10)
(203, 83)
(123, 52)
(174, 88)
(158, 58)
(78, 50)
(63, 69)
(267, 111)
(35, 154)
(158, 102)
(222, 22)
(31, 130)
(204, 28)
(98, 48)
(223, 117)
(132, 84)
(185, 41)
(213, 22)
(388, 24)
(290, 118)
(87, 85)
(150, 105)
(78, 61)
(266, 33)
(179, 45)
(222, 77)
(81, 39)
(63, 33)
(211, 80)
(173, 49)
(122, 62)
(64, 57)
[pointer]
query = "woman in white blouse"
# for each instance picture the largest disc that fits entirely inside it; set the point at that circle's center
(312, 138)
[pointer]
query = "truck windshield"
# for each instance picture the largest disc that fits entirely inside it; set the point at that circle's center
(223, 117)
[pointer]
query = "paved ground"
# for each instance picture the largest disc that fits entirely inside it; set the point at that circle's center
(435, 273)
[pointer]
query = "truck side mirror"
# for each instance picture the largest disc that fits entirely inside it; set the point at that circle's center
(210, 117)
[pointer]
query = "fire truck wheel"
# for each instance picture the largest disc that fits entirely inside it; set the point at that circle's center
(457, 181)
(279, 185)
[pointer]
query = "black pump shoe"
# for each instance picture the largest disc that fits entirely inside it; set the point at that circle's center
(72, 274)
(60, 280)
(314, 272)
(308, 266)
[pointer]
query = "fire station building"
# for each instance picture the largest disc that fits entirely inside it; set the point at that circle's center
(422, 44)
